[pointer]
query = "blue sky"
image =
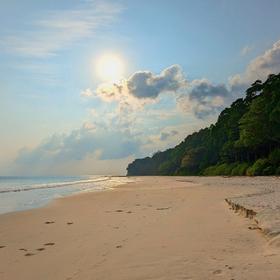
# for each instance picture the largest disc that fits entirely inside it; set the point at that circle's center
(184, 61)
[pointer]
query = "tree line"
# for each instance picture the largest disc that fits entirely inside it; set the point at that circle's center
(245, 140)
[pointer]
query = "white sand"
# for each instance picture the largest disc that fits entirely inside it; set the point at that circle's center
(157, 228)
(264, 200)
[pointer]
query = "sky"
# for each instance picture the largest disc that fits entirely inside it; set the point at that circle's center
(88, 86)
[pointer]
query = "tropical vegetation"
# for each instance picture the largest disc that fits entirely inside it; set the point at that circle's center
(245, 140)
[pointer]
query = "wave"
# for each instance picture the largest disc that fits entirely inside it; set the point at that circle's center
(54, 185)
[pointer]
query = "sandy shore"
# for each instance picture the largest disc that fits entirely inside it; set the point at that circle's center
(157, 228)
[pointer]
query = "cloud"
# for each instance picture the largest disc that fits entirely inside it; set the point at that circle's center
(165, 135)
(88, 140)
(109, 92)
(200, 97)
(59, 29)
(204, 98)
(246, 50)
(142, 88)
(259, 68)
(144, 85)
(147, 85)
(201, 89)
(94, 113)
(87, 93)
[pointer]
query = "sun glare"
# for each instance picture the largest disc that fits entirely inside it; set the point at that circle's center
(110, 67)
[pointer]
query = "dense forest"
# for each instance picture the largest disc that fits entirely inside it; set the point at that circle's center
(244, 141)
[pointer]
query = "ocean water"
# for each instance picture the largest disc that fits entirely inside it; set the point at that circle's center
(22, 193)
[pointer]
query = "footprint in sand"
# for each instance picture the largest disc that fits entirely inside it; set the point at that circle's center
(70, 223)
(41, 249)
(119, 210)
(2, 246)
(49, 222)
(23, 249)
(228, 266)
(163, 208)
(29, 254)
(49, 244)
(129, 212)
(119, 246)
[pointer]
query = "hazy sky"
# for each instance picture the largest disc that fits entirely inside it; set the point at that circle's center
(87, 86)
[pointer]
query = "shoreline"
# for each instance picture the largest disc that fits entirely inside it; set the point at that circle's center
(154, 228)
(24, 198)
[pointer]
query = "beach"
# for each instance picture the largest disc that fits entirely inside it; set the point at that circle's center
(154, 228)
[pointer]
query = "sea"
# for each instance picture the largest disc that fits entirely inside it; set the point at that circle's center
(23, 193)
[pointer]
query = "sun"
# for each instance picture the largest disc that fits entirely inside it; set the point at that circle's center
(109, 67)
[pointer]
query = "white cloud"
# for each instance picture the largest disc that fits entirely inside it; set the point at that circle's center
(94, 113)
(88, 126)
(200, 97)
(140, 89)
(59, 29)
(87, 93)
(246, 50)
(144, 85)
(205, 98)
(259, 68)
(88, 141)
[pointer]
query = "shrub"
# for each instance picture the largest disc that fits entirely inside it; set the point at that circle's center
(240, 169)
(209, 171)
(220, 169)
(270, 170)
(274, 157)
(258, 167)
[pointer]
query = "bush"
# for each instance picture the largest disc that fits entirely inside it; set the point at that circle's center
(270, 170)
(240, 169)
(220, 169)
(258, 167)
(274, 157)
(209, 171)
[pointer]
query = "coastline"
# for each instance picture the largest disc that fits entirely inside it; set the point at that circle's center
(154, 228)
(36, 192)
